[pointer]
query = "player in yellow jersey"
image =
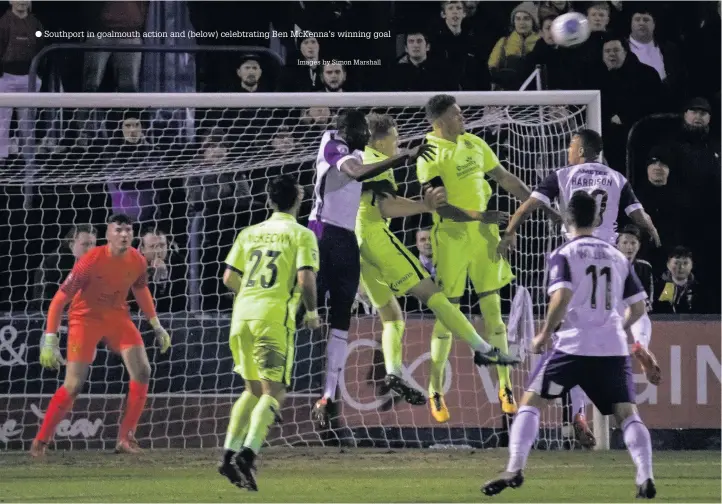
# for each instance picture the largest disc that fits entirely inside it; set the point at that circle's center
(270, 266)
(465, 235)
(388, 269)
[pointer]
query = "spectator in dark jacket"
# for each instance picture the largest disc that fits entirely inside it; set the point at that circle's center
(165, 275)
(628, 243)
(664, 201)
(629, 89)
(678, 288)
(128, 152)
(415, 71)
(696, 148)
(221, 196)
(302, 74)
(664, 57)
(55, 267)
(250, 75)
(454, 43)
(18, 47)
(697, 153)
(587, 53)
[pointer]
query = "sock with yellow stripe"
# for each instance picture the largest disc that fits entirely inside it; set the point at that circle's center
(495, 332)
(440, 349)
(391, 344)
(450, 315)
(238, 425)
(262, 417)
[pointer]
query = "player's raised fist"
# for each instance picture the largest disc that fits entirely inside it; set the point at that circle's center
(425, 151)
(434, 197)
(50, 356)
(311, 320)
(506, 245)
(540, 342)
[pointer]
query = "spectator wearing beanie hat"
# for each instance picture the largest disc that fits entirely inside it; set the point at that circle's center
(506, 62)
(697, 156)
(302, 72)
(664, 201)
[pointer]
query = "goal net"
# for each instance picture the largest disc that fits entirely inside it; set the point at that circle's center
(192, 170)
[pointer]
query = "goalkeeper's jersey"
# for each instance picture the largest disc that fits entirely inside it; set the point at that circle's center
(461, 167)
(369, 213)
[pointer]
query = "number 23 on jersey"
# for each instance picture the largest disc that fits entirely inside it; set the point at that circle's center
(264, 271)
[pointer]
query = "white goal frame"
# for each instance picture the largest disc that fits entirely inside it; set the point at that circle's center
(589, 99)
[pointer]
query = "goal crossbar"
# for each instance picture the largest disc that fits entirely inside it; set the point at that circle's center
(246, 100)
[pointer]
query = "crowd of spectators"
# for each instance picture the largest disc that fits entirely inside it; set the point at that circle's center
(646, 58)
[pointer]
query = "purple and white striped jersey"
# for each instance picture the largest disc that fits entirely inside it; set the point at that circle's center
(336, 195)
(609, 187)
(603, 284)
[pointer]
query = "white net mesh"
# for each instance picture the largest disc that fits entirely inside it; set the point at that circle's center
(192, 178)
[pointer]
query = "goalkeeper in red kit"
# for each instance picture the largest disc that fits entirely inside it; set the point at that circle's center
(97, 289)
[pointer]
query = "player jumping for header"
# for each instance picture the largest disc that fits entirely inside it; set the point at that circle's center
(589, 282)
(98, 287)
(270, 266)
(339, 175)
(465, 236)
(389, 270)
(613, 193)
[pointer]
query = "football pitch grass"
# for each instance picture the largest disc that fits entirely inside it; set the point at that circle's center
(353, 475)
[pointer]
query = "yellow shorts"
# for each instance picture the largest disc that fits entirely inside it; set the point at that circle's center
(262, 350)
(388, 268)
(462, 249)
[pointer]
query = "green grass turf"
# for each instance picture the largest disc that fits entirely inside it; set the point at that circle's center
(316, 475)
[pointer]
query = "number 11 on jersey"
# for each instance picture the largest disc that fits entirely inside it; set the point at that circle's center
(604, 272)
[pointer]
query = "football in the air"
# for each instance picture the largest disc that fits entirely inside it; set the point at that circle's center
(570, 29)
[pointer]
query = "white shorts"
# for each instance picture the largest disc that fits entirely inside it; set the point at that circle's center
(642, 330)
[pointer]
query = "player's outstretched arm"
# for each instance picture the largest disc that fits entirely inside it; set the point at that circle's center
(435, 195)
(147, 306)
(360, 172)
(394, 206)
(508, 241)
(510, 183)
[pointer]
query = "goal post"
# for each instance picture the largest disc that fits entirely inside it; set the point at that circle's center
(79, 168)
